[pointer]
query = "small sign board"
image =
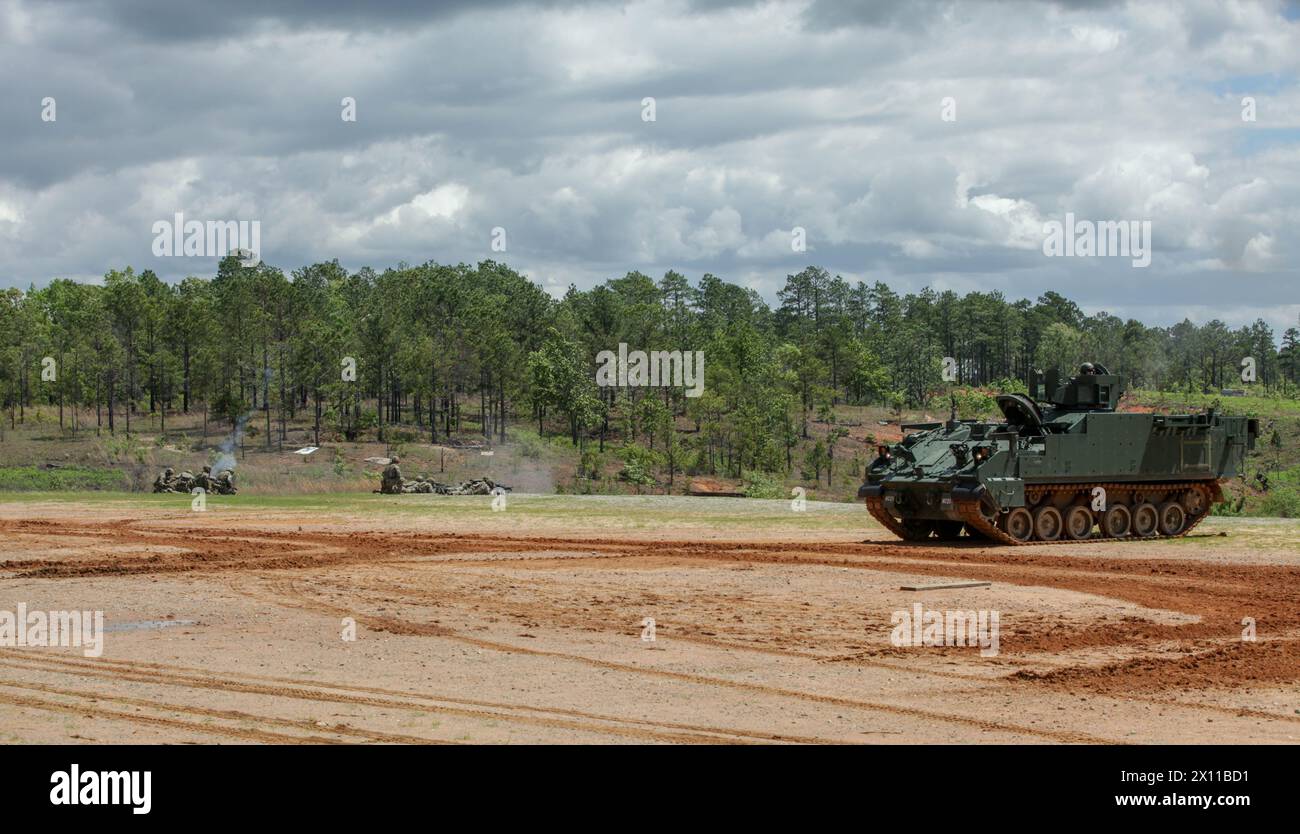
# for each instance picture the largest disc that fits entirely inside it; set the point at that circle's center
(306, 450)
(943, 586)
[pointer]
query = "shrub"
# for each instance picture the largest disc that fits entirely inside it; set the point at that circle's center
(1281, 502)
(973, 403)
(590, 464)
(1010, 386)
(635, 472)
(763, 485)
(529, 446)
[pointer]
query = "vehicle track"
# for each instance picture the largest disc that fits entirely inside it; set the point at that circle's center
(1198, 652)
(1088, 574)
(352, 733)
(394, 625)
(145, 666)
(314, 691)
(91, 711)
(1220, 594)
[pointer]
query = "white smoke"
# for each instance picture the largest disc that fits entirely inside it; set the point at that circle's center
(226, 460)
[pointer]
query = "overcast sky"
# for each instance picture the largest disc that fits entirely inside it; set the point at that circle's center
(768, 116)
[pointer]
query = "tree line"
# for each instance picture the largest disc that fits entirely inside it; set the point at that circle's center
(439, 350)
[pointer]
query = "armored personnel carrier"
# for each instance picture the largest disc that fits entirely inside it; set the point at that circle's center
(1062, 465)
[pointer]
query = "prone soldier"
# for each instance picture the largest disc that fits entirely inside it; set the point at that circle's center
(224, 483)
(203, 480)
(166, 482)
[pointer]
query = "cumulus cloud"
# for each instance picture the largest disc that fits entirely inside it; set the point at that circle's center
(769, 115)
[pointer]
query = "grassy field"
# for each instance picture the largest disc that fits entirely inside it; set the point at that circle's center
(29, 478)
(668, 516)
(533, 512)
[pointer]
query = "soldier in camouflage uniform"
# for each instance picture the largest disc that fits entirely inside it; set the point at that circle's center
(224, 483)
(392, 482)
(203, 480)
(165, 482)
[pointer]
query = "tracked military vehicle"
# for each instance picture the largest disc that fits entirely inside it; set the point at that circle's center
(1062, 465)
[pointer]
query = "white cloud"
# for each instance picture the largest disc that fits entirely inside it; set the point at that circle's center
(770, 115)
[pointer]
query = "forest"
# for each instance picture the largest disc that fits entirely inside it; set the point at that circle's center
(437, 350)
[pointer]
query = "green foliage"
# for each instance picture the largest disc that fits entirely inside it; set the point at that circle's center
(1006, 385)
(815, 460)
(529, 446)
(39, 479)
(124, 449)
(441, 349)
(897, 401)
(590, 463)
(762, 485)
(972, 403)
(1061, 347)
(1281, 502)
(229, 406)
(561, 380)
(638, 464)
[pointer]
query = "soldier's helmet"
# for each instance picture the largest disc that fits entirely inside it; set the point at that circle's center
(396, 459)
(207, 469)
(1087, 368)
(169, 471)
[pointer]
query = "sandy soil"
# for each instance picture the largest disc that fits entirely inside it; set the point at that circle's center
(500, 627)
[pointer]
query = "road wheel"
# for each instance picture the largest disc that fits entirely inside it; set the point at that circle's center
(1078, 522)
(1018, 524)
(1048, 523)
(1172, 518)
(1194, 503)
(1146, 519)
(915, 530)
(1116, 521)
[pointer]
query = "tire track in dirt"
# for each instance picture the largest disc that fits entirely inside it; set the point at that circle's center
(228, 715)
(147, 667)
(394, 625)
(207, 681)
(560, 617)
(557, 616)
(1219, 594)
(90, 711)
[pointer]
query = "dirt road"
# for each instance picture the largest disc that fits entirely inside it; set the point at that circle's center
(482, 628)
